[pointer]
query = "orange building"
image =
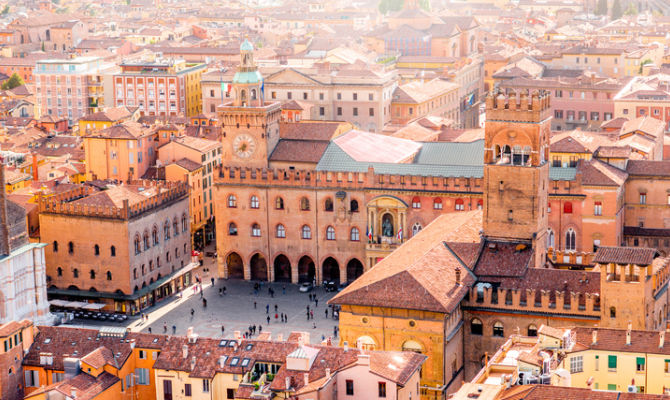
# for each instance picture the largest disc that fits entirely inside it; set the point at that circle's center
(16, 338)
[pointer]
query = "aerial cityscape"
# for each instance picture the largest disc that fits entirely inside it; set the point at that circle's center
(334, 200)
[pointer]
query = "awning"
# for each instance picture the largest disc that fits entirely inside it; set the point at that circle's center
(58, 303)
(75, 304)
(94, 306)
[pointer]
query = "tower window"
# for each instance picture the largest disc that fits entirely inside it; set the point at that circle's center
(567, 207)
(570, 240)
(510, 215)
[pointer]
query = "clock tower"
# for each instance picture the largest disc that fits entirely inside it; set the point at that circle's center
(516, 169)
(250, 125)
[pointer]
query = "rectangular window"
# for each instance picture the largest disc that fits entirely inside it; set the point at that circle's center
(595, 116)
(205, 385)
(349, 387)
(639, 364)
(289, 95)
(381, 389)
(558, 114)
(339, 96)
(611, 386)
(273, 95)
(142, 376)
(611, 362)
(143, 355)
(667, 366)
(187, 390)
(320, 96)
(230, 393)
(32, 378)
(372, 112)
(643, 198)
(576, 364)
(355, 111)
(339, 110)
(597, 363)
(598, 208)
(58, 377)
(322, 111)
(355, 96)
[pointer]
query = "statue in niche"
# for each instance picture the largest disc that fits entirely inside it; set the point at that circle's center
(387, 225)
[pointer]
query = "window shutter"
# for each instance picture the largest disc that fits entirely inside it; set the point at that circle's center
(611, 362)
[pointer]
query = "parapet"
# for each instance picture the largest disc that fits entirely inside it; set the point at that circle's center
(518, 107)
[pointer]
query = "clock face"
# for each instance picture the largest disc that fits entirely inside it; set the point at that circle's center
(244, 145)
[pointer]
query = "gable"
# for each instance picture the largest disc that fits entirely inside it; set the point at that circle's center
(289, 76)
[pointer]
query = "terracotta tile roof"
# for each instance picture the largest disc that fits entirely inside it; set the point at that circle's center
(562, 280)
(568, 145)
(639, 231)
(299, 150)
(597, 173)
(651, 126)
(615, 340)
(615, 123)
(424, 269)
(115, 195)
(549, 392)
(646, 168)
(625, 255)
(87, 387)
(11, 327)
(500, 259)
(396, 366)
(371, 147)
(309, 130)
(291, 105)
(125, 130)
(188, 164)
(99, 357)
(551, 331)
(111, 115)
(418, 92)
(612, 152)
(196, 143)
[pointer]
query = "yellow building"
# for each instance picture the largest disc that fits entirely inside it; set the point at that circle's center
(104, 119)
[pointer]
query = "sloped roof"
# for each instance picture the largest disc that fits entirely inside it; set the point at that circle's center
(646, 167)
(299, 150)
(625, 255)
(568, 145)
(597, 173)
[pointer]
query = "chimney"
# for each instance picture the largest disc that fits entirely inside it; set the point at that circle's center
(4, 223)
(222, 361)
(661, 338)
(458, 275)
(288, 382)
(184, 351)
(73, 393)
(594, 337)
(327, 373)
(193, 363)
(628, 332)
(363, 359)
(36, 173)
(280, 337)
(306, 376)
(189, 331)
(238, 336)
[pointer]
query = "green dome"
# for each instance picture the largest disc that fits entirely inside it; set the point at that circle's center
(246, 46)
(247, 77)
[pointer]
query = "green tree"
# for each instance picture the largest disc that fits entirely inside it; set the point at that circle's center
(644, 62)
(14, 81)
(601, 7)
(616, 10)
(43, 46)
(5, 10)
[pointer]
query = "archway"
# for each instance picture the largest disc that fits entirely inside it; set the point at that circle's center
(235, 266)
(282, 269)
(354, 269)
(259, 268)
(306, 269)
(330, 272)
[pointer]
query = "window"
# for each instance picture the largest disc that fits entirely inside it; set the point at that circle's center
(355, 96)
(576, 364)
(142, 375)
(328, 205)
(667, 366)
(371, 112)
(60, 271)
(459, 205)
(437, 204)
(643, 198)
(476, 327)
(558, 114)
(612, 312)
(281, 231)
(355, 111)
(532, 330)
(611, 362)
(289, 95)
(639, 364)
(230, 393)
(205, 386)
(70, 247)
(187, 389)
(353, 205)
(349, 387)
(232, 229)
(304, 95)
(75, 273)
(55, 245)
(143, 355)
(611, 386)
(112, 251)
(416, 203)
(598, 208)
(416, 228)
(279, 203)
(355, 235)
(322, 111)
(92, 274)
(498, 329)
(232, 201)
(339, 111)
(381, 389)
(255, 230)
(306, 232)
(304, 204)
(567, 207)
(570, 242)
(254, 203)
(32, 378)
(330, 233)
(109, 275)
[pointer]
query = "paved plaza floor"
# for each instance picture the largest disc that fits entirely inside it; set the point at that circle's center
(235, 311)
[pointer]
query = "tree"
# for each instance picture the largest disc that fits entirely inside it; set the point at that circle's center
(616, 10)
(601, 7)
(645, 62)
(5, 10)
(43, 46)
(14, 81)
(424, 4)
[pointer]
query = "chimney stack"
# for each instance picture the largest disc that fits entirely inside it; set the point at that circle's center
(628, 333)
(345, 346)
(661, 337)
(306, 376)
(594, 337)
(288, 382)
(458, 275)
(184, 351)
(36, 173)
(327, 373)
(193, 363)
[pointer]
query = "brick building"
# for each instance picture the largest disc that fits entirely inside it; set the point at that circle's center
(16, 338)
(127, 246)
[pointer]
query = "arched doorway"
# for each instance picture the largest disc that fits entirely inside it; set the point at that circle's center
(330, 271)
(259, 268)
(282, 269)
(354, 269)
(235, 266)
(306, 269)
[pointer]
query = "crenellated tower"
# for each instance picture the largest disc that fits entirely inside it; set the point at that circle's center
(516, 168)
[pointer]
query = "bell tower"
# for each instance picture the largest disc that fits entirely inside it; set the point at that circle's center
(516, 169)
(250, 125)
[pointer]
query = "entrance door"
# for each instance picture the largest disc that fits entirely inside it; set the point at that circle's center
(167, 389)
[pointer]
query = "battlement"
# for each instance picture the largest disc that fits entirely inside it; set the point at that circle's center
(572, 259)
(661, 274)
(518, 107)
(350, 180)
(529, 300)
(62, 203)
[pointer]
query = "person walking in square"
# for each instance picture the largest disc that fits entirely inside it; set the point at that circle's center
(268, 318)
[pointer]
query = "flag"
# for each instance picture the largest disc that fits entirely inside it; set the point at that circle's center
(399, 235)
(369, 234)
(263, 90)
(225, 87)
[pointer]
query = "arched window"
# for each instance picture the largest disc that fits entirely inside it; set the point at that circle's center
(96, 250)
(459, 205)
(476, 327)
(411, 345)
(255, 230)
(70, 247)
(154, 235)
(232, 229)
(109, 275)
(134, 273)
(306, 232)
(498, 329)
(532, 330)
(232, 201)
(550, 238)
(330, 233)
(416, 228)
(508, 297)
(75, 273)
(304, 204)
(55, 246)
(279, 203)
(184, 223)
(281, 231)
(60, 271)
(437, 204)
(254, 203)
(328, 204)
(612, 312)
(353, 206)
(143, 268)
(355, 235)
(567, 207)
(570, 242)
(92, 273)
(506, 155)
(166, 230)
(175, 227)
(145, 241)
(416, 202)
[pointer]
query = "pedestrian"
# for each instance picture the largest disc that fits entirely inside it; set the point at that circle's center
(308, 308)
(192, 312)
(212, 281)
(260, 329)
(335, 331)
(311, 314)
(174, 329)
(268, 320)
(276, 316)
(220, 292)
(283, 289)
(149, 329)
(314, 325)
(223, 329)
(316, 302)
(254, 305)
(276, 308)
(307, 315)
(224, 290)
(142, 317)
(267, 309)
(164, 327)
(254, 328)
(204, 303)
(326, 313)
